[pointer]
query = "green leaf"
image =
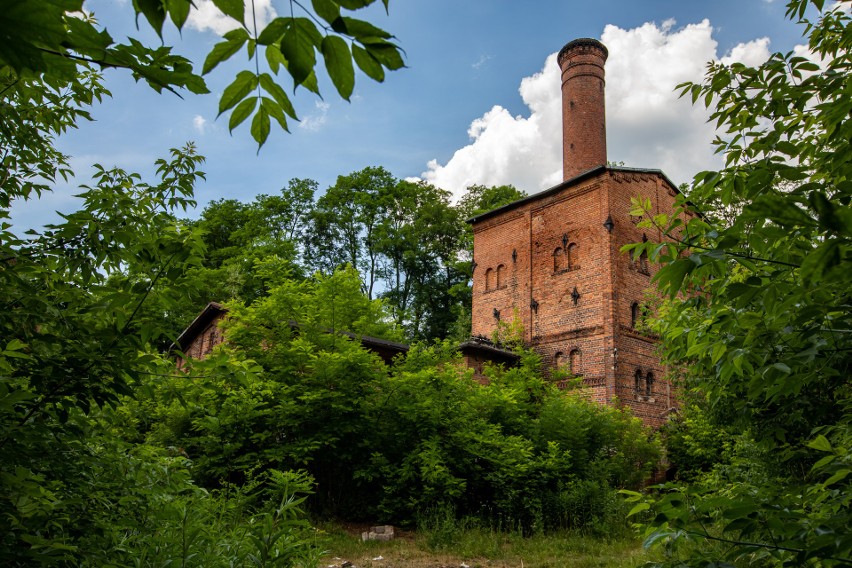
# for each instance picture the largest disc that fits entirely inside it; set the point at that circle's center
(275, 111)
(153, 11)
(354, 4)
(820, 443)
(362, 30)
(638, 508)
(368, 64)
(220, 52)
(242, 112)
(242, 85)
(326, 9)
(260, 126)
(277, 92)
(338, 63)
(233, 8)
(274, 57)
(179, 11)
(297, 47)
(273, 32)
(819, 261)
(387, 54)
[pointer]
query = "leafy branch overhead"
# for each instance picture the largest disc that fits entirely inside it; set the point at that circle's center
(54, 39)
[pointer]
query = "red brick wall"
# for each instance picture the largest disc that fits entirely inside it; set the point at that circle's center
(607, 281)
(583, 112)
(204, 342)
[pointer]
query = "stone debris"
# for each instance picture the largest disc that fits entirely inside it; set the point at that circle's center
(381, 532)
(378, 558)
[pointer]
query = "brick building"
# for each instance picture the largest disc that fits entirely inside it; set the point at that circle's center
(553, 258)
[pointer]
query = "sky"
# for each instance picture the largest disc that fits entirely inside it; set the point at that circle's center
(478, 101)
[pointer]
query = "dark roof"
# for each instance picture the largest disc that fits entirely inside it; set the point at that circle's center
(489, 348)
(583, 41)
(199, 324)
(594, 172)
(214, 309)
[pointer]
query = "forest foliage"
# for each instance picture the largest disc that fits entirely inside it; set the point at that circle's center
(758, 322)
(110, 457)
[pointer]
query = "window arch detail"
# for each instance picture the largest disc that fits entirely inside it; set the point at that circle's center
(559, 260)
(489, 279)
(575, 362)
(572, 254)
(501, 276)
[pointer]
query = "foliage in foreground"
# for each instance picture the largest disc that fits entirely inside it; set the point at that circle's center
(396, 444)
(759, 326)
(58, 40)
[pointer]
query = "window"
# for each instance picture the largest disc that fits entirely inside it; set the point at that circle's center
(559, 263)
(649, 384)
(575, 362)
(501, 276)
(573, 256)
(637, 380)
(643, 263)
(559, 360)
(635, 314)
(489, 279)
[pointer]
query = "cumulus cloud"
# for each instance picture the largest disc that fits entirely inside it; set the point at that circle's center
(206, 16)
(316, 120)
(199, 123)
(648, 125)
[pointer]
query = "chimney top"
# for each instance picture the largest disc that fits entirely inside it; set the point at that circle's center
(583, 106)
(581, 42)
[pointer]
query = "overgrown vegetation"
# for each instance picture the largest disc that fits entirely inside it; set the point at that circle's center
(758, 326)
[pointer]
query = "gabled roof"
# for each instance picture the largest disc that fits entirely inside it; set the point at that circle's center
(213, 310)
(488, 348)
(210, 312)
(588, 174)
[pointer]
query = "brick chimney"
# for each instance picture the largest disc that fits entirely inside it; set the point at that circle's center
(583, 109)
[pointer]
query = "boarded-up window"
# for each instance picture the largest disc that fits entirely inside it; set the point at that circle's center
(560, 262)
(501, 276)
(575, 362)
(573, 256)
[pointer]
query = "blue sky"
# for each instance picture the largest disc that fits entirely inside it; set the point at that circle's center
(477, 100)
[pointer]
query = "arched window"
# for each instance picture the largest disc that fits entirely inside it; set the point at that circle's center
(573, 256)
(559, 360)
(635, 314)
(649, 384)
(643, 263)
(637, 380)
(575, 362)
(501, 276)
(559, 261)
(489, 279)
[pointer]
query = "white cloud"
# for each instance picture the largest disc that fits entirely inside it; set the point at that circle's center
(751, 53)
(648, 125)
(206, 16)
(199, 123)
(316, 120)
(483, 59)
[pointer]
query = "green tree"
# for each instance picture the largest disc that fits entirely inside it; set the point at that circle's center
(345, 222)
(57, 40)
(760, 314)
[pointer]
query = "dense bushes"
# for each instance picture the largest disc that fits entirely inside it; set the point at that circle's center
(392, 444)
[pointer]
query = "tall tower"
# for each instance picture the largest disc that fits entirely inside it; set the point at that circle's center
(583, 106)
(553, 259)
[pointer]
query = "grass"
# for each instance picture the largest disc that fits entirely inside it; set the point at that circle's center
(480, 548)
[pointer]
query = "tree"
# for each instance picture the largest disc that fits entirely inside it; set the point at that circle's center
(759, 321)
(57, 40)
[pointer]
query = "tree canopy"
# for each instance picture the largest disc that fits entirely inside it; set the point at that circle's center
(56, 41)
(758, 318)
